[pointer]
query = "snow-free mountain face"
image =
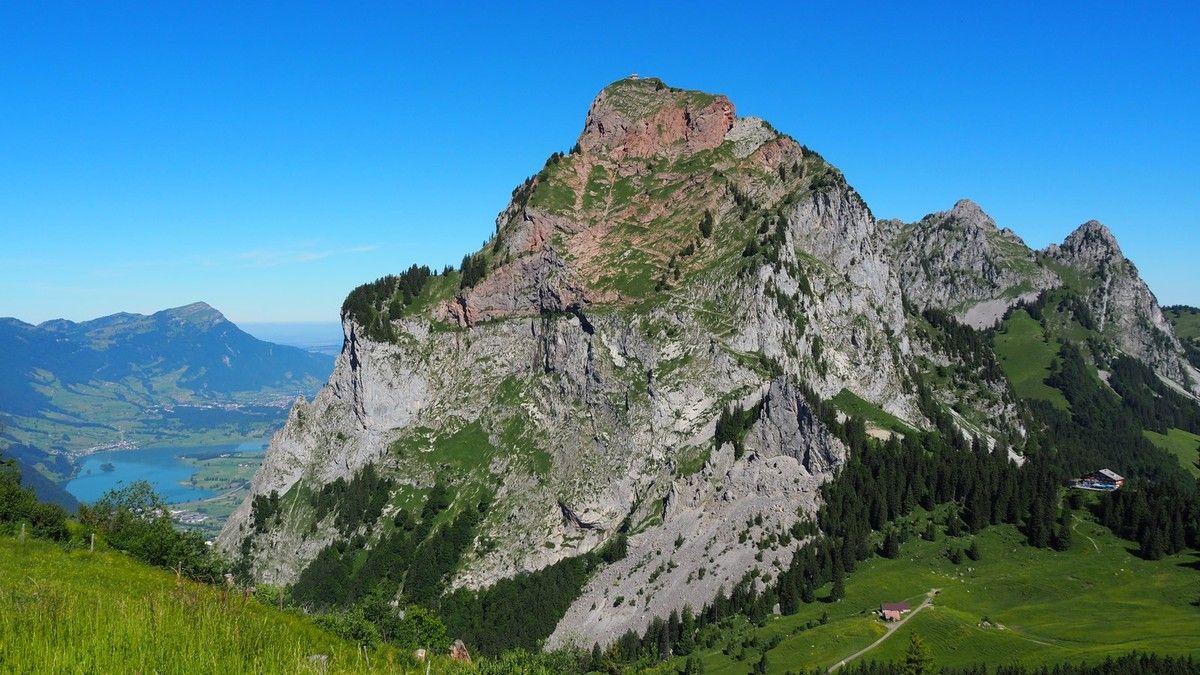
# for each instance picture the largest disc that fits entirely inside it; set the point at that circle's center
(961, 262)
(640, 356)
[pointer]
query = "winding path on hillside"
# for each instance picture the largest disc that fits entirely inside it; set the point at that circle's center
(891, 628)
(1075, 528)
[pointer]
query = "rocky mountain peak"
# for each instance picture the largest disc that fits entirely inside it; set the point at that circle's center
(1090, 242)
(680, 264)
(1123, 305)
(641, 117)
(960, 261)
(967, 211)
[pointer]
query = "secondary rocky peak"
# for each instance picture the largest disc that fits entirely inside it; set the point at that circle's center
(960, 261)
(644, 117)
(1124, 307)
(968, 211)
(1091, 241)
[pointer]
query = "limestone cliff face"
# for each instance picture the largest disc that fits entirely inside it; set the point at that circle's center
(705, 516)
(679, 261)
(961, 262)
(372, 391)
(1123, 305)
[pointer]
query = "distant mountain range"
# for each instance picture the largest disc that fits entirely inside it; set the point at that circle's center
(182, 375)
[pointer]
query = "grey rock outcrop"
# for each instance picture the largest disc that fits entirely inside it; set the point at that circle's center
(961, 262)
(717, 525)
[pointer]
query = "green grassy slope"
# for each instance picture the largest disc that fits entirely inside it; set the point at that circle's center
(1092, 601)
(1186, 321)
(105, 613)
(1180, 443)
(1026, 357)
(855, 406)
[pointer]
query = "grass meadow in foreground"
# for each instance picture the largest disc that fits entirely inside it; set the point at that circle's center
(68, 612)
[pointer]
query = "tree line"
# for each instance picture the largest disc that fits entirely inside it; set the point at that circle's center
(374, 305)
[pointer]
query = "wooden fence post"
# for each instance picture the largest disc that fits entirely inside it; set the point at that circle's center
(92, 545)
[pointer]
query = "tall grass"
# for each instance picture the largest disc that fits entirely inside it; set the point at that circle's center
(68, 612)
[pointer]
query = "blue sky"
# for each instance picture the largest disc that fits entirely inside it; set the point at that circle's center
(268, 158)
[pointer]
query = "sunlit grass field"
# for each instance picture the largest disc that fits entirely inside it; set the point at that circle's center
(1180, 443)
(1026, 357)
(1042, 607)
(80, 612)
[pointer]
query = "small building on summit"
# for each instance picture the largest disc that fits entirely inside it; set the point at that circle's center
(892, 611)
(1105, 480)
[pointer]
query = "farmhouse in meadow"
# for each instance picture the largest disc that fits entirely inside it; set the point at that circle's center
(1104, 480)
(892, 611)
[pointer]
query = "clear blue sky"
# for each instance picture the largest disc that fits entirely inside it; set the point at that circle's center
(267, 159)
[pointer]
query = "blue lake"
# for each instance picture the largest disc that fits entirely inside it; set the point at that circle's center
(161, 467)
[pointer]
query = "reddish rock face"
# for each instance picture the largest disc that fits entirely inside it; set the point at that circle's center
(643, 118)
(528, 285)
(629, 120)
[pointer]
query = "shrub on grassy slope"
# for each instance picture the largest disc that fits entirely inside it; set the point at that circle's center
(134, 519)
(19, 506)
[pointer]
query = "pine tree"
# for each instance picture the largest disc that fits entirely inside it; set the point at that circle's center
(687, 633)
(1152, 544)
(807, 595)
(597, 662)
(917, 660)
(891, 544)
(973, 550)
(954, 554)
(839, 584)
(953, 524)
(1062, 536)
